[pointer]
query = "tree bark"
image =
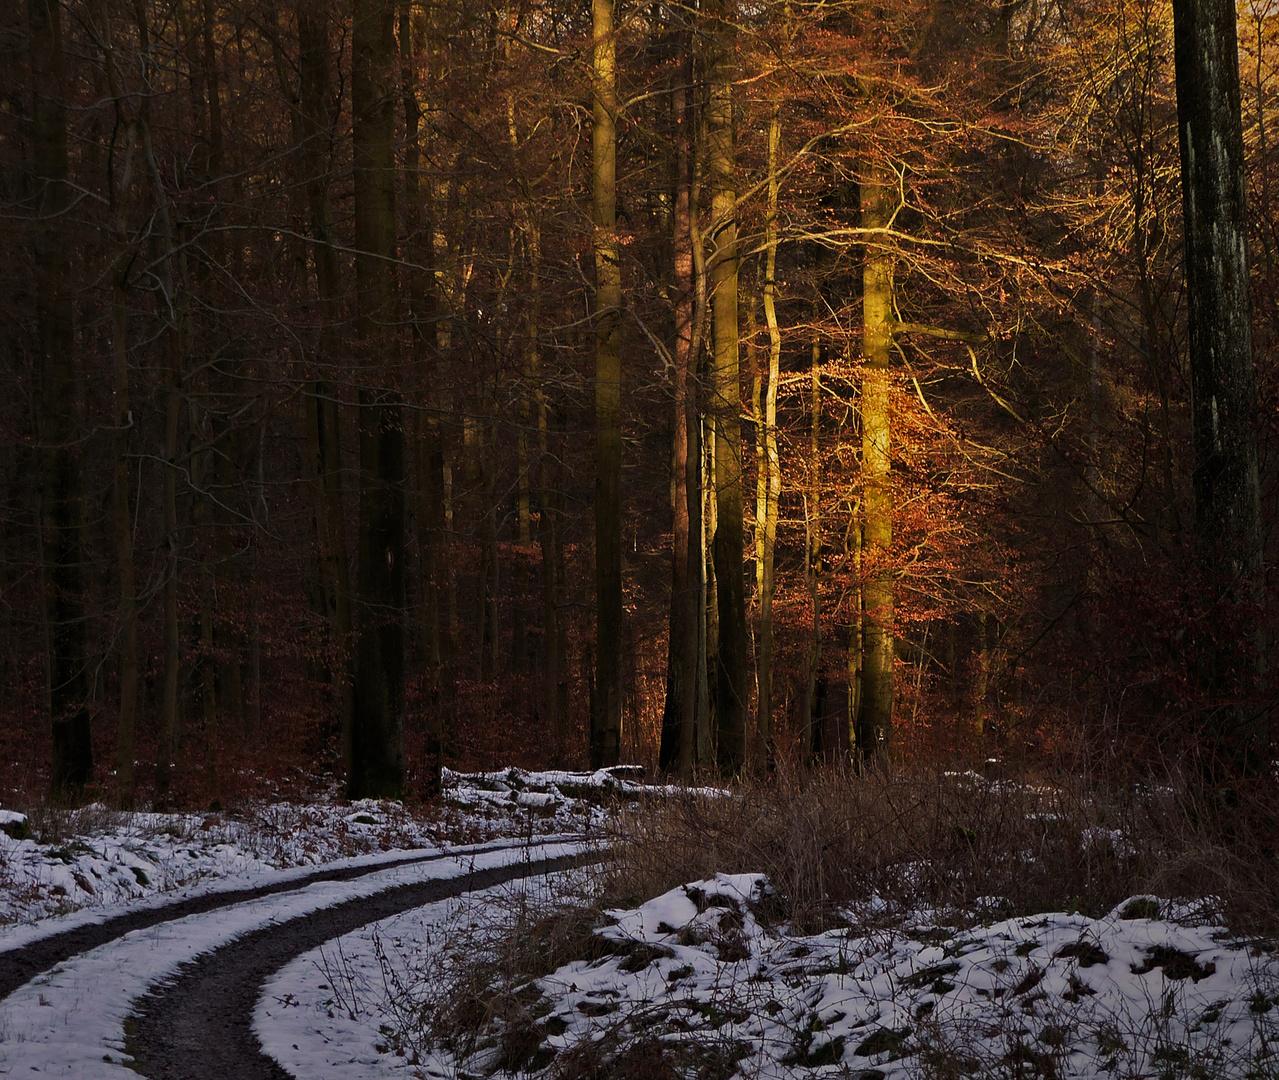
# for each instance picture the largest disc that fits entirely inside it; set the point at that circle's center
(1223, 386)
(61, 480)
(315, 134)
(875, 722)
(813, 560)
(119, 185)
(606, 719)
(770, 478)
(679, 715)
(731, 692)
(377, 729)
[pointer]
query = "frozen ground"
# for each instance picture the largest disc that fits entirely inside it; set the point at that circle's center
(69, 1022)
(98, 860)
(705, 982)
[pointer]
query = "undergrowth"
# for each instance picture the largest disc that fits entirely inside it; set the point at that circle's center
(869, 850)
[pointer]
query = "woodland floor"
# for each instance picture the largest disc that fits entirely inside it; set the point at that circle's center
(340, 938)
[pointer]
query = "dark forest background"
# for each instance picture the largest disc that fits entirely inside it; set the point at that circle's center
(254, 250)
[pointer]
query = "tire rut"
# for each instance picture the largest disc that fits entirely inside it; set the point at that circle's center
(198, 1024)
(21, 965)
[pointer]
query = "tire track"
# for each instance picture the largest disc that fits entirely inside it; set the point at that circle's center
(21, 965)
(198, 1025)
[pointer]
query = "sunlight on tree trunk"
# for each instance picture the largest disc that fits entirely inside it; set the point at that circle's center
(606, 723)
(878, 202)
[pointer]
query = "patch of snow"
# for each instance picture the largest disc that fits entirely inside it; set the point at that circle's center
(701, 970)
(69, 1021)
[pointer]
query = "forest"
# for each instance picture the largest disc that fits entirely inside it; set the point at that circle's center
(349, 352)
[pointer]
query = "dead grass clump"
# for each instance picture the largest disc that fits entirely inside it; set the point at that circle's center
(954, 841)
(619, 1055)
(482, 1000)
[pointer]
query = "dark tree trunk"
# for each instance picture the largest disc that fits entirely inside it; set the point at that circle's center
(606, 716)
(61, 511)
(1223, 388)
(377, 728)
(679, 715)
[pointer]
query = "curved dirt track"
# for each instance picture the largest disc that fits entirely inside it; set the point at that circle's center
(21, 965)
(198, 1025)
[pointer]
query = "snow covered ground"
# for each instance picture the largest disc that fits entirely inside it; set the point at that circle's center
(69, 1021)
(703, 981)
(707, 980)
(52, 865)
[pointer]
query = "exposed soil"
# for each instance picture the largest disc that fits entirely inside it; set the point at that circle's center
(198, 1025)
(19, 966)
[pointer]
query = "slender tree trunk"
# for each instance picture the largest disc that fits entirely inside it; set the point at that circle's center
(731, 692)
(875, 723)
(853, 548)
(606, 721)
(1223, 388)
(61, 511)
(377, 735)
(428, 457)
(679, 717)
(172, 641)
(207, 664)
(119, 185)
(167, 293)
(813, 561)
(770, 484)
(128, 609)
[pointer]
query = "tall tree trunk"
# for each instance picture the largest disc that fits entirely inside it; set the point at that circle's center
(120, 183)
(808, 709)
(377, 729)
(731, 690)
(428, 458)
(61, 511)
(770, 478)
(167, 296)
(315, 131)
(128, 610)
(1223, 387)
(679, 716)
(207, 664)
(172, 641)
(606, 719)
(878, 198)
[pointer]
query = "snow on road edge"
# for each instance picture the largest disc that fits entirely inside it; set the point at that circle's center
(70, 1021)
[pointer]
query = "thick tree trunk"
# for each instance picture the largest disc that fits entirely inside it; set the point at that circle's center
(61, 511)
(606, 719)
(731, 691)
(377, 729)
(1223, 388)
(875, 723)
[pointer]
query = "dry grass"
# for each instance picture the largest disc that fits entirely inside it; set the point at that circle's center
(965, 846)
(954, 841)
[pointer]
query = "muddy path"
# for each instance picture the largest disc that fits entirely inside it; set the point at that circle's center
(21, 965)
(198, 1025)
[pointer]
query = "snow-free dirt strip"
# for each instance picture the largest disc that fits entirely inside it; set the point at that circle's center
(71, 1020)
